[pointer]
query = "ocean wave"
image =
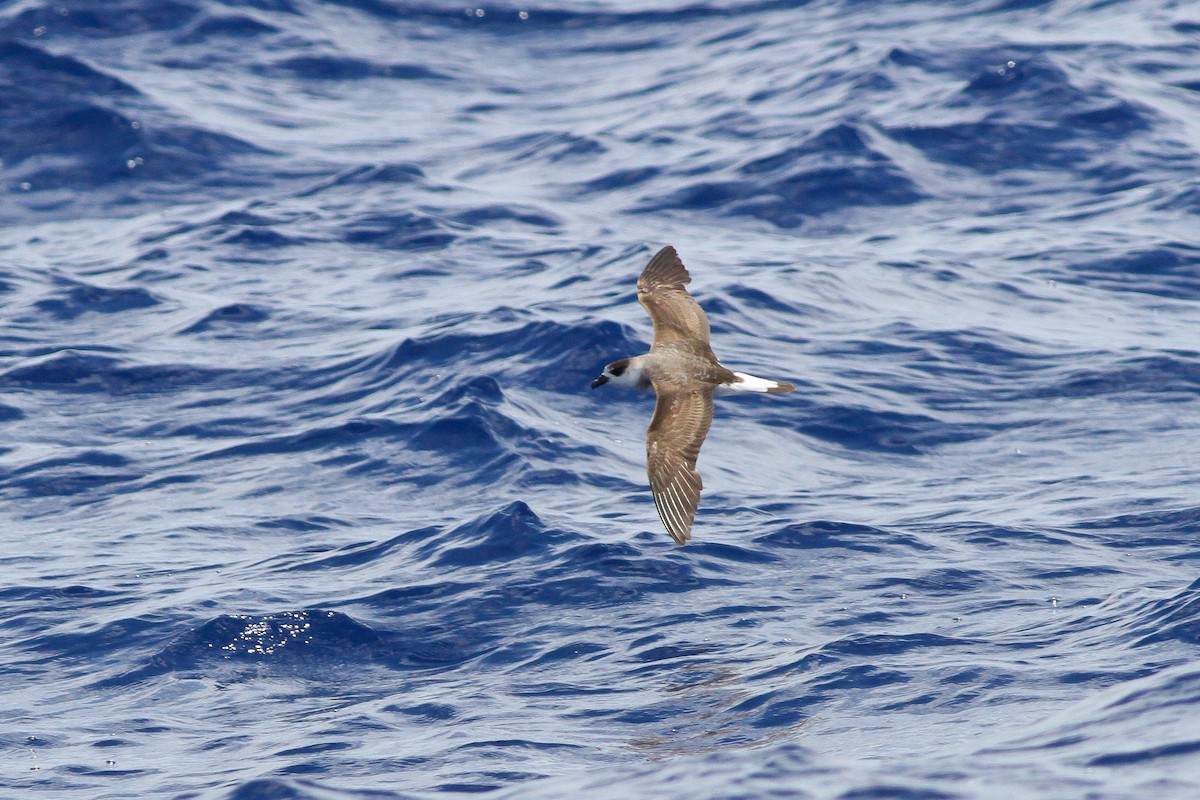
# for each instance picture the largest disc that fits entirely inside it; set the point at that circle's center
(306, 493)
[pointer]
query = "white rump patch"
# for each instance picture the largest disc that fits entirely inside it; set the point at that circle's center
(749, 383)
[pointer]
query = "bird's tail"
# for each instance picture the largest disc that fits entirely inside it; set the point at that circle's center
(749, 383)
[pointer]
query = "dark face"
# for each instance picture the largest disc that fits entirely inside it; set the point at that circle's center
(613, 370)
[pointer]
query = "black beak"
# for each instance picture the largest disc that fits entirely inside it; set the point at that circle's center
(603, 379)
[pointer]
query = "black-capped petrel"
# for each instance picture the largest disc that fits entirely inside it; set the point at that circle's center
(685, 375)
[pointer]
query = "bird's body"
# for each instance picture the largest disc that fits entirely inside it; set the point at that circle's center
(685, 374)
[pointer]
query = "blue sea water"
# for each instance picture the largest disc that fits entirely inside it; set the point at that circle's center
(304, 494)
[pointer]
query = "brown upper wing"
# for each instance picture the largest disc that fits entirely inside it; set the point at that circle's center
(680, 423)
(677, 318)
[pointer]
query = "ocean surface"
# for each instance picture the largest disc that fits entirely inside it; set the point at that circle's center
(303, 493)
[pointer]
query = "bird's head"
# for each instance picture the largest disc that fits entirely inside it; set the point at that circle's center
(618, 373)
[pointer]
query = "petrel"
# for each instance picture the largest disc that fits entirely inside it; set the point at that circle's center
(685, 375)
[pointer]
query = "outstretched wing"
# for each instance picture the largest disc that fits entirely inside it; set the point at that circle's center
(680, 423)
(677, 318)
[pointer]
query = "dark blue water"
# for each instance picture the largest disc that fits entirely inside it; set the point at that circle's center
(304, 494)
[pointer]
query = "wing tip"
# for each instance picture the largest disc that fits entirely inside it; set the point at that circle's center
(681, 536)
(679, 529)
(665, 269)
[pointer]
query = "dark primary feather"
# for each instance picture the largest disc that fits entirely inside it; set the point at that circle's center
(665, 269)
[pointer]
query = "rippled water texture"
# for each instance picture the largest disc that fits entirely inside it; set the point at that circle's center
(304, 494)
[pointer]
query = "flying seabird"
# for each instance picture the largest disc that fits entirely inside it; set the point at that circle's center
(685, 375)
